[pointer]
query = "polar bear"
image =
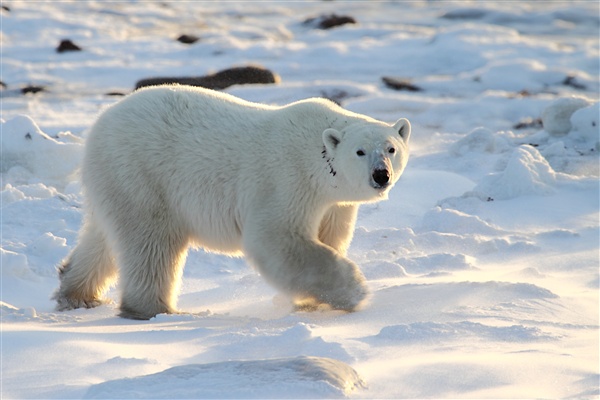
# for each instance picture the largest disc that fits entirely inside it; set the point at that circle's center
(172, 166)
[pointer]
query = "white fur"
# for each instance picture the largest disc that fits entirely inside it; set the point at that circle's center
(171, 166)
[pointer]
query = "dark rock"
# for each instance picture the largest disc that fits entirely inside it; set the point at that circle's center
(336, 20)
(335, 95)
(329, 21)
(5, 8)
(529, 123)
(2, 85)
(188, 39)
(33, 89)
(67, 45)
(570, 81)
(114, 94)
(465, 14)
(400, 84)
(218, 81)
(522, 94)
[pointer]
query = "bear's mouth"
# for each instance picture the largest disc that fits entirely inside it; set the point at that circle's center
(379, 187)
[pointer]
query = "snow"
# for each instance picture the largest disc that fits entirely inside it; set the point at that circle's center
(263, 379)
(483, 265)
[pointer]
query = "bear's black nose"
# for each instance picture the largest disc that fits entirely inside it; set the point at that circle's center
(381, 177)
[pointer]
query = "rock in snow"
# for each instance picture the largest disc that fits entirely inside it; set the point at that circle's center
(67, 45)
(329, 21)
(187, 39)
(220, 80)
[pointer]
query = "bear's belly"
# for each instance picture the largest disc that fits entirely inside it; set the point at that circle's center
(215, 230)
(231, 246)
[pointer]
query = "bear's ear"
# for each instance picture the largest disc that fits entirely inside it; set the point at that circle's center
(402, 126)
(331, 138)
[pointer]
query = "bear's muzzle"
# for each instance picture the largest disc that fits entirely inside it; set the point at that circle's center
(380, 178)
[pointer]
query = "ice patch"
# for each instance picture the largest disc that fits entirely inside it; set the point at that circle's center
(301, 377)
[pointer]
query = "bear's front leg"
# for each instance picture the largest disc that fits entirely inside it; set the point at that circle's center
(337, 227)
(308, 270)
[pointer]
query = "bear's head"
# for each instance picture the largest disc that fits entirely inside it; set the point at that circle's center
(368, 156)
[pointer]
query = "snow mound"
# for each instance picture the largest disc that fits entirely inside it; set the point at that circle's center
(527, 172)
(432, 331)
(481, 140)
(437, 263)
(28, 153)
(301, 377)
(8, 312)
(15, 265)
(453, 221)
(557, 116)
(273, 343)
(383, 269)
(585, 126)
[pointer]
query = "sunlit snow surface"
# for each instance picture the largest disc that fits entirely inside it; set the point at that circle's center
(483, 264)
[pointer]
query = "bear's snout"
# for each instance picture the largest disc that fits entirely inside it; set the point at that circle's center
(381, 177)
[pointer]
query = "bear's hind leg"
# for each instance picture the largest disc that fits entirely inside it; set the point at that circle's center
(87, 272)
(151, 259)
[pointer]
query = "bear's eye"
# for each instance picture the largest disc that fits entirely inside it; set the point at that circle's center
(360, 153)
(391, 150)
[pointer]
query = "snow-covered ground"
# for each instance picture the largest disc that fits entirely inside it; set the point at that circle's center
(483, 264)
